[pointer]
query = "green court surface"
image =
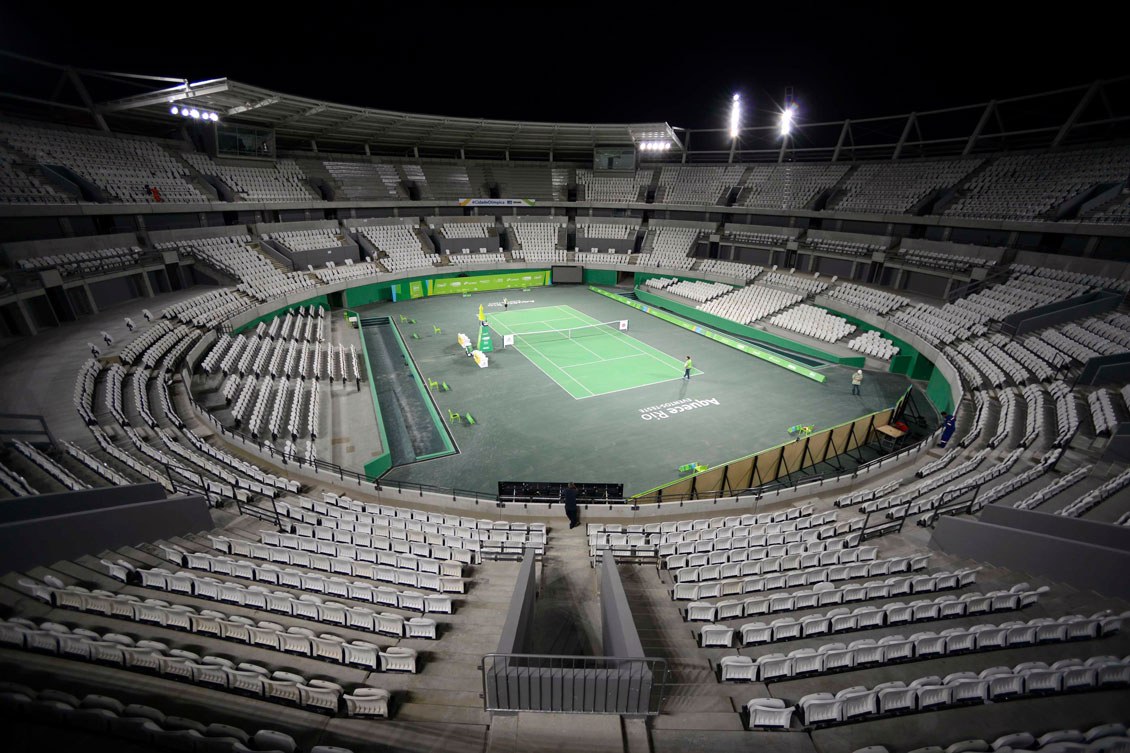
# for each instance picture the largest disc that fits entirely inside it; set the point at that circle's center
(638, 421)
(595, 359)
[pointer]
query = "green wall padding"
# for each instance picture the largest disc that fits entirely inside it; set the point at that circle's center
(607, 277)
(938, 390)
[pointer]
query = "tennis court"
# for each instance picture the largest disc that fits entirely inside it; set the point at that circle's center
(583, 356)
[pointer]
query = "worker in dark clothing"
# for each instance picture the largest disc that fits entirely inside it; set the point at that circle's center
(569, 495)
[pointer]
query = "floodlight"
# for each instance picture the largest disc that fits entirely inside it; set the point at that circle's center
(735, 116)
(194, 113)
(787, 116)
(213, 117)
(174, 109)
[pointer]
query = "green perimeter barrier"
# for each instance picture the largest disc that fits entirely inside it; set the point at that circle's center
(772, 358)
(735, 328)
(421, 287)
(607, 277)
(383, 462)
(908, 362)
(911, 363)
(448, 447)
(767, 466)
(318, 300)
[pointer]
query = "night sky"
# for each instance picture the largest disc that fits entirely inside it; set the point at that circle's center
(579, 63)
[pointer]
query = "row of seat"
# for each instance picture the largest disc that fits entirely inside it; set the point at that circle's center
(141, 724)
(1101, 738)
(212, 672)
(822, 594)
(844, 620)
(891, 649)
(308, 606)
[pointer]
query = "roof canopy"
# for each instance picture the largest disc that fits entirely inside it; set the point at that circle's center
(301, 119)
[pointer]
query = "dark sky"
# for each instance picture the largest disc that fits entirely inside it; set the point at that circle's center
(581, 63)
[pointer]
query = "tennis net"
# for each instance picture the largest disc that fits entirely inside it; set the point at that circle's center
(535, 337)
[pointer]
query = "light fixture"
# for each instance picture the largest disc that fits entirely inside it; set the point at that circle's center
(787, 116)
(174, 109)
(213, 117)
(735, 116)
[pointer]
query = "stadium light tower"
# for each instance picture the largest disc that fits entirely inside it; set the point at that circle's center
(788, 120)
(735, 123)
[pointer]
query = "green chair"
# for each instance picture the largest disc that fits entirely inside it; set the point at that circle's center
(453, 416)
(415, 336)
(432, 384)
(436, 330)
(470, 419)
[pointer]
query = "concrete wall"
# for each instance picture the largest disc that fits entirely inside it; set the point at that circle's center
(94, 526)
(1106, 369)
(515, 634)
(1077, 529)
(1061, 312)
(65, 503)
(1080, 564)
(618, 628)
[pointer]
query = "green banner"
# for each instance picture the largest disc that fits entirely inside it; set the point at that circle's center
(744, 347)
(415, 289)
(482, 283)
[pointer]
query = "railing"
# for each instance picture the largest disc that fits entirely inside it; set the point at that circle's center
(26, 280)
(574, 684)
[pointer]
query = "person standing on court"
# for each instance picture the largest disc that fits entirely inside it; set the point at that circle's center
(569, 495)
(949, 426)
(856, 380)
(687, 368)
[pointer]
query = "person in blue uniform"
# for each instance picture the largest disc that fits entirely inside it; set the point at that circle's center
(949, 426)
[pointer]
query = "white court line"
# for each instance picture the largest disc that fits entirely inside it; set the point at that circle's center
(631, 342)
(634, 387)
(551, 377)
(603, 360)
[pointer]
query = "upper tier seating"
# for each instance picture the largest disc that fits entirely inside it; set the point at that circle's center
(284, 181)
(233, 254)
(895, 187)
(83, 262)
(851, 248)
(401, 245)
(308, 240)
(536, 240)
(790, 186)
(670, 247)
(517, 181)
(619, 188)
(761, 239)
(1030, 186)
(698, 185)
(365, 180)
(122, 166)
(19, 186)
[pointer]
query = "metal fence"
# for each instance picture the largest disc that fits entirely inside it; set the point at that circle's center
(573, 684)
